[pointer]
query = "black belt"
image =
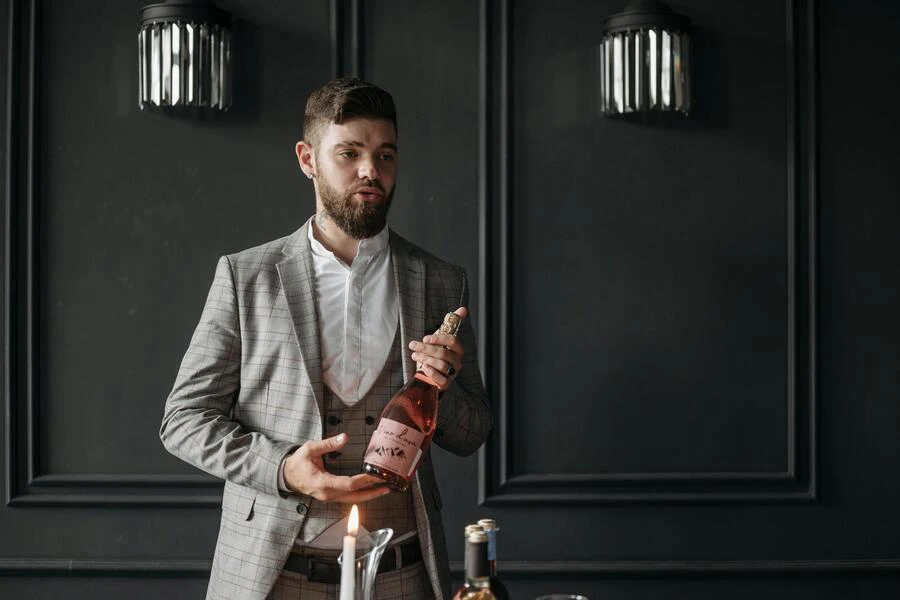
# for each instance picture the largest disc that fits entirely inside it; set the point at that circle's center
(327, 570)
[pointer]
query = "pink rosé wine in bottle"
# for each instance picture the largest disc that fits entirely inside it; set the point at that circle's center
(406, 427)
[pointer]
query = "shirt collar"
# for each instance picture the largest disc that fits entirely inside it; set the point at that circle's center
(372, 246)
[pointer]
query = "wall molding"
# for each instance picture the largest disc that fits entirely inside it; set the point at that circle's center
(59, 567)
(499, 483)
(25, 483)
(510, 570)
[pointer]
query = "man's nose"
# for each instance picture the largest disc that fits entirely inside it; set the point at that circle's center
(367, 170)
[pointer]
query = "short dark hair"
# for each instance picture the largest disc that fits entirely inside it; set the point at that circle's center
(345, 98)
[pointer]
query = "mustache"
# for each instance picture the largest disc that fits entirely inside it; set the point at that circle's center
(369, 184)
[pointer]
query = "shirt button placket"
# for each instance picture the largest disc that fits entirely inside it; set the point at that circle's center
(354, 325)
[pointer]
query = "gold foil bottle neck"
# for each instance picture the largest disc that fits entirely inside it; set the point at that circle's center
(451, 324)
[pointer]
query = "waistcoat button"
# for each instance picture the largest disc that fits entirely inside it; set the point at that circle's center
(302, 509)
(370, 420)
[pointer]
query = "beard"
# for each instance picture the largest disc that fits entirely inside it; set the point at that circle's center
(358, 220)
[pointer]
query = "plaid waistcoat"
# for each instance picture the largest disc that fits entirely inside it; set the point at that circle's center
(359, 422)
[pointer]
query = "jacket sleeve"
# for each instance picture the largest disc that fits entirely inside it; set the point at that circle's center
(464, 414)
(197, 424)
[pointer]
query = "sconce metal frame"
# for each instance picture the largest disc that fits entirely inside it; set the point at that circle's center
(645, 60)
(184, 55)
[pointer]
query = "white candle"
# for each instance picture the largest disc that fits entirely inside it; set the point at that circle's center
(348, 562)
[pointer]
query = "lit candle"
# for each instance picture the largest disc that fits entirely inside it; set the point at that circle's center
(348, 562)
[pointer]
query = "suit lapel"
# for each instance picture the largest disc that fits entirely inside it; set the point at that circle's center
(409, 271)
(298, 284)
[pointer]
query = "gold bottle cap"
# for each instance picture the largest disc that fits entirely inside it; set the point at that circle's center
(451, 324)
(473, 528)
(488, 524)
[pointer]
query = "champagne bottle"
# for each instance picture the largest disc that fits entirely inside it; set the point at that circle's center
(407, 425)
(478, 571)
(490, 529)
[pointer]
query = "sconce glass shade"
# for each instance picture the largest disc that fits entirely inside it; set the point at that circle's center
(645, 60)
(184, 55)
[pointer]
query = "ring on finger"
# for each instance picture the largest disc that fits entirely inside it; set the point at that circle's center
(451, 371)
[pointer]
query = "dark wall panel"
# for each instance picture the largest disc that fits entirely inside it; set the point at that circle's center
(649, 264)
(134, 208)
(859, 282)
(681, 303)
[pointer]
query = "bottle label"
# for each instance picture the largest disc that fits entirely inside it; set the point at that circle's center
(395, 447)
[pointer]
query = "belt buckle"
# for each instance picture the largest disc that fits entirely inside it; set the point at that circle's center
(323, 572)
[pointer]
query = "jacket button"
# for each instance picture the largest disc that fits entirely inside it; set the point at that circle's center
(370, 420)
(333, 420)
(334, 455)
(302, 509)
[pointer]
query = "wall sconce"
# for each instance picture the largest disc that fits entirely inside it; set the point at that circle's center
(184, 55)
(645, 60)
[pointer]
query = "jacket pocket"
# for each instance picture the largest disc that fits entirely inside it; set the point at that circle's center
(239, 502)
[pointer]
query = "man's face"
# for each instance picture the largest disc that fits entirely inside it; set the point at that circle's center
(356, 170)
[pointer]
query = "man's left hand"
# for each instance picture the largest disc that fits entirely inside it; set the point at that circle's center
(440, 355)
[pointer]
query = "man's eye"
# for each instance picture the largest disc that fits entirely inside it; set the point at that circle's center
(387, 157)
(347, 154)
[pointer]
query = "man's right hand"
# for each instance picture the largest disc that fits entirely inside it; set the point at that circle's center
(304, 473)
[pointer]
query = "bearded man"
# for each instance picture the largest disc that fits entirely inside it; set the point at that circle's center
(301, 343)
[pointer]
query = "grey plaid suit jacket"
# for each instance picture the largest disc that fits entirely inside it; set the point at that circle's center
(249, 390)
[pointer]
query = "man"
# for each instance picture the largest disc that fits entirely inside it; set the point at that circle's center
(301, 343)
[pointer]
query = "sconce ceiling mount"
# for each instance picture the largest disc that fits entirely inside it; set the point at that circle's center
(645, 60)
(184, 55)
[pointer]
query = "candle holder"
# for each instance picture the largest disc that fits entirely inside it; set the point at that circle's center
(369, 549)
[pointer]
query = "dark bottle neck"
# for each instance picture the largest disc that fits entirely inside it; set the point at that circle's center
(478, 571)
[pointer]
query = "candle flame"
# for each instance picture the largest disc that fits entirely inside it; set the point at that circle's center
(353, 523)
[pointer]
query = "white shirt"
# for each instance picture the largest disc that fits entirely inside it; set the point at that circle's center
(358, 311)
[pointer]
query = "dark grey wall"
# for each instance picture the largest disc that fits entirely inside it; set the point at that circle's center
(688, 328)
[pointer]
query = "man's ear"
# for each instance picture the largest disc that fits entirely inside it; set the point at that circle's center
(307, 159)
